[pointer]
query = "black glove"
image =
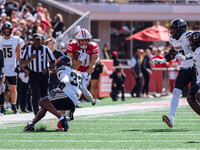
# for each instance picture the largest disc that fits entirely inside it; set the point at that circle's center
(17, 69)
(54, 91)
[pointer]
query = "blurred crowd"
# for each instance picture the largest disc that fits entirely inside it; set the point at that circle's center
(27, 20)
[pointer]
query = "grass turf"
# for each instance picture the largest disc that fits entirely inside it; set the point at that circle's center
(127, 130)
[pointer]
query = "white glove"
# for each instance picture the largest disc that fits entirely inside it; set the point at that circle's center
(180, 57)
(84, 75)
(158, 61)
(82, 56)
(93, 102)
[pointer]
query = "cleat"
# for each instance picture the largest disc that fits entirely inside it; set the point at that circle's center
(29, 127)
(65, 123)
(167, 121)
(71, 115)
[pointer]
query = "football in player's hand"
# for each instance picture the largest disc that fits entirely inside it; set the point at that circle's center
(76, 55)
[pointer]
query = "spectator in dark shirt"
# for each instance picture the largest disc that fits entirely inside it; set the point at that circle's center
(137, 73)
(146, 71)
(58, 25)
(115, 59)
(10, 6)
(117, 84)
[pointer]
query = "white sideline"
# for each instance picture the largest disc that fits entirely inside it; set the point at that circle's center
(95, 110)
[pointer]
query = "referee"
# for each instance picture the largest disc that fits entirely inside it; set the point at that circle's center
(37, 57)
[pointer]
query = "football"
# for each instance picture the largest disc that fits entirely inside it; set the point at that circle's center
(76, 55)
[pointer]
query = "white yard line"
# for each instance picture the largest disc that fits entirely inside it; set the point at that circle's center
(102, 141)
(97, 110)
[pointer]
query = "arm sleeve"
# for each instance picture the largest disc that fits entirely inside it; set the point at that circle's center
(86, 93)
(170, 55)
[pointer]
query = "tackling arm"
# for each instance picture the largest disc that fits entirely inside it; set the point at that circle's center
(87, 94)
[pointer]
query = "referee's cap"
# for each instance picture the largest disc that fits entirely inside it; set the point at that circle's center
(37, 36)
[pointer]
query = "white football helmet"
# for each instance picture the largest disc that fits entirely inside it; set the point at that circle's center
(83, 34)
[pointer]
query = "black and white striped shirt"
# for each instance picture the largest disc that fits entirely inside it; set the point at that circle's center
(41, 62)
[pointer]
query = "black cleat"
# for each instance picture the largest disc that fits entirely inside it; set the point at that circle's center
(29, 127)
(71, 115)
(65, 123)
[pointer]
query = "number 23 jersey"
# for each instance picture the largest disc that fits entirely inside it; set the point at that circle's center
(182, 46)
(9, 48)
(73, 80)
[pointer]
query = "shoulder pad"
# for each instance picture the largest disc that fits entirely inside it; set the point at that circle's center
(60, 68)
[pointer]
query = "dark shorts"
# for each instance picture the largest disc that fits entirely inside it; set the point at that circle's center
(193, 90)
(62, 102)
(11, 80)
(184, 78)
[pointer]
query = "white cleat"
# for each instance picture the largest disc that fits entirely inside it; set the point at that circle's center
(167, 121)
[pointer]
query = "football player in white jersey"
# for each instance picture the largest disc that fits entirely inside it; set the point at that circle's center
(179, 41)
(195, 47)
(65, 96)
(12, 56)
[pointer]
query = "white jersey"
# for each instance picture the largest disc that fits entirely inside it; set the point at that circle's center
(9, 48)
(196, 60)
(182, 46)
(72, 79)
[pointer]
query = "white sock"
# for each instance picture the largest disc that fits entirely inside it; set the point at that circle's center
(62, 117)
(174, 101)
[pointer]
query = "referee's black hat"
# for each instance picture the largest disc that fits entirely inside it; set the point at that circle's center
(37, 36)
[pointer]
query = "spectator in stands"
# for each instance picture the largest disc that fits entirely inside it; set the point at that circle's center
(95, 80)
(137, 73)
(116, 62)
(106, 51)
(58, 25)
(146, 71)
(10, 6)
(117, 84)
(24, 14)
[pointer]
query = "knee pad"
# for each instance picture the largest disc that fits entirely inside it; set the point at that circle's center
(177, 91)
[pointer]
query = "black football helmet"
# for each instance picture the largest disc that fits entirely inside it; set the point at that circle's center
(195, 40)
(177, 28)
(64, 60)
(7, 25)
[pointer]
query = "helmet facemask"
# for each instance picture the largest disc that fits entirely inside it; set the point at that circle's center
(83, 38)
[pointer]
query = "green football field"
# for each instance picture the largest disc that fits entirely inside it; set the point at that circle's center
(124, 130)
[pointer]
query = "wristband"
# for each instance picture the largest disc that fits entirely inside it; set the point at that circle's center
(18, 63)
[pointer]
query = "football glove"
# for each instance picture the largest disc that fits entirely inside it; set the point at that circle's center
(54, 92)
(158, 61)
(17, 69)
(93, 102)
(82, 56)
(180, 57)
(84, 75)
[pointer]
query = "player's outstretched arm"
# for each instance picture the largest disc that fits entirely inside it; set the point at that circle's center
(87, 94)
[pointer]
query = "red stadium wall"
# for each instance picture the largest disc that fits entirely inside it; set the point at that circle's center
(156, 81)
